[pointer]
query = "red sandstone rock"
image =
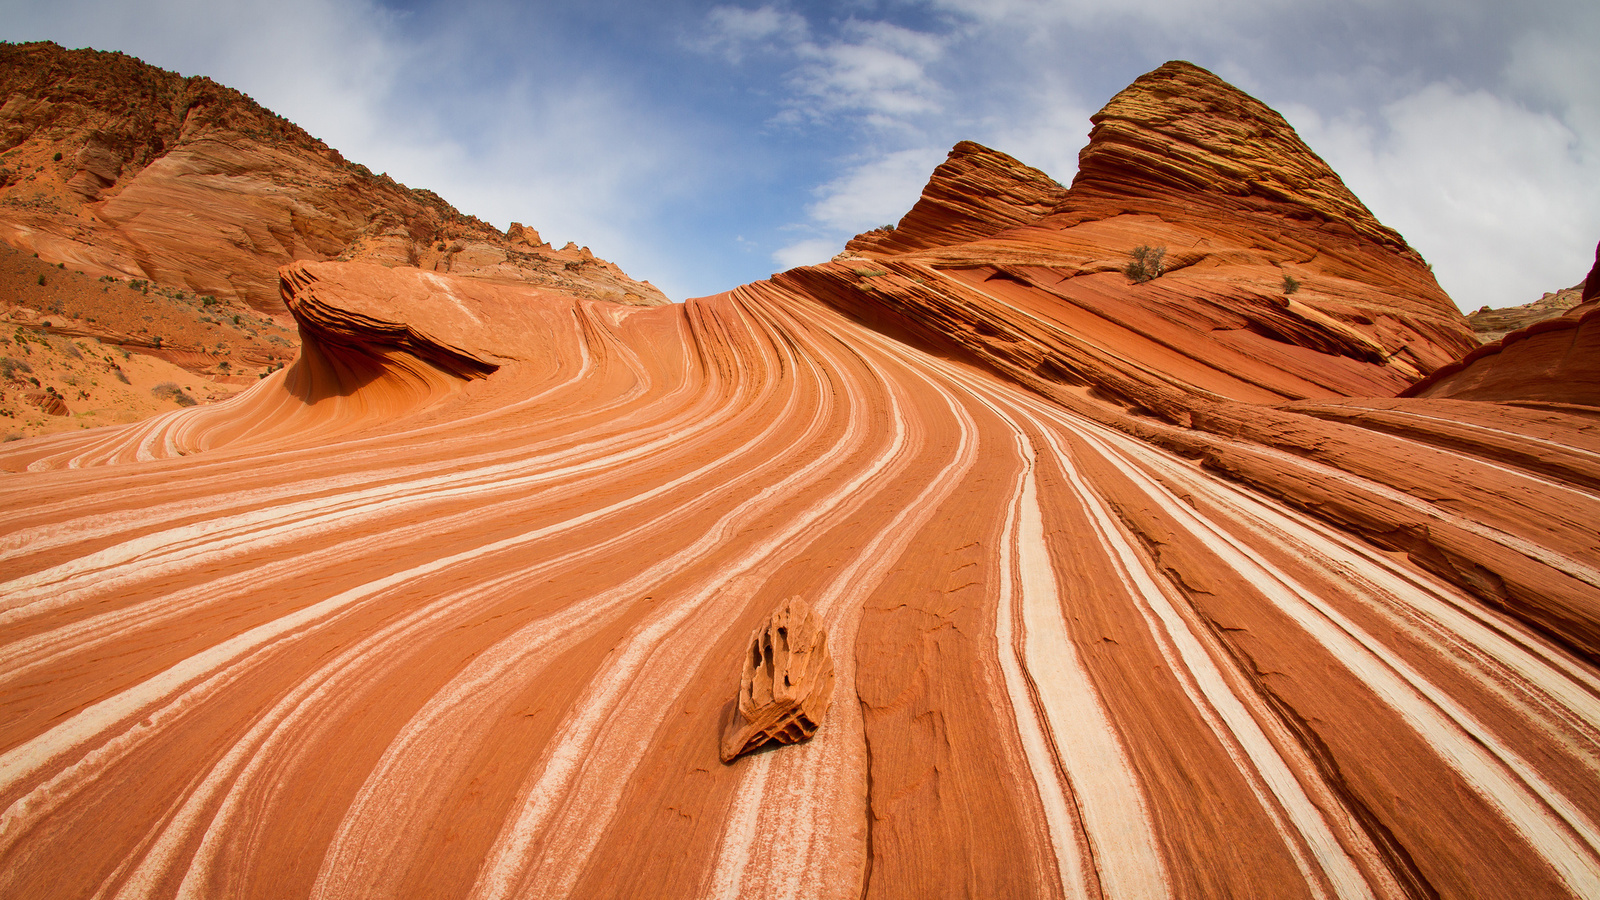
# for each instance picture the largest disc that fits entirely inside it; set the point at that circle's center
(1494, 324)
(48, 402)
(1552, 361)
(193, 185)
(973, 194)
(786, 683)
(1131, 589)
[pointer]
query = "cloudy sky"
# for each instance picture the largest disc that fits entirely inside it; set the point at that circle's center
(703, 145)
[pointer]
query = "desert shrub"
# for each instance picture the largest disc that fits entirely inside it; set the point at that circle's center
(1290, 284)
(41, 279)
(208, 300)
(10, 366)
(57, 157)
(1147, 263)
(169, 390)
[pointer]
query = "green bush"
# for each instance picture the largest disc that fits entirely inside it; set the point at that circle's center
(1147, 263)
(1290, 284)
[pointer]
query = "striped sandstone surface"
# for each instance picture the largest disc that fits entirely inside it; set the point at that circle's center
(1131, 589)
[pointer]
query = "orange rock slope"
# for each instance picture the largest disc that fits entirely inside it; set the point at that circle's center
(1131, 589)
(115, 167)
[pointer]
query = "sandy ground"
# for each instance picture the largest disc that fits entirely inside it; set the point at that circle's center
(115, 351)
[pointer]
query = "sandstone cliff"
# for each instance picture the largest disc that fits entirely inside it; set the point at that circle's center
(1132, 586)
(118, 168)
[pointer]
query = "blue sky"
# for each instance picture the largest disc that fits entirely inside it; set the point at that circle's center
(703, 145)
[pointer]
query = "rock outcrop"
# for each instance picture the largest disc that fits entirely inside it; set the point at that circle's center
(115, 167)
(1131, 589)
(786, 684)
(972, 194)
(1494, 324)
(1554, 358)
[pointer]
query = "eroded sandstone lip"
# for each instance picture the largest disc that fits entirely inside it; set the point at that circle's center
(786, 684)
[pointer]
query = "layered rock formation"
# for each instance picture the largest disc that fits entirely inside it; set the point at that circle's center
(972, 194)
(1131, 589)
(118, 168)
(1494, 324)
(786, 684)
(1551, 359)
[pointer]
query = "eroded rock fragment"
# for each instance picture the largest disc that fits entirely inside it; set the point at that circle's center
(786, 685)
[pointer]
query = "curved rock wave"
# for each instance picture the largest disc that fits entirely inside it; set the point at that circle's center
(1131, 588)
(485, 649)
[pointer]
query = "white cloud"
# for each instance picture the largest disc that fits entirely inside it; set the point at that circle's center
(875, 192)
(808, 252)
(1562, 67)
(1499, 198)
(1046, 132)
(734, 31)
(879, 71)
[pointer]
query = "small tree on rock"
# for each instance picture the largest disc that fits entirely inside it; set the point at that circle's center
(1147, 263)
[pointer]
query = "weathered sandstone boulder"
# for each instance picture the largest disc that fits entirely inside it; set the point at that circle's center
(786, 684)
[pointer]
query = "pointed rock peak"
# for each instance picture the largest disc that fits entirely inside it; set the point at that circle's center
(1181, 131)
(974, 193)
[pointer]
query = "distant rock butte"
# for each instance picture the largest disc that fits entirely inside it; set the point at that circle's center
(118, 168)
(1494, 324)
(1131, 589)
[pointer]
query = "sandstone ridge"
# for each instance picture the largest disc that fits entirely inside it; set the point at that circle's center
(118, 168)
